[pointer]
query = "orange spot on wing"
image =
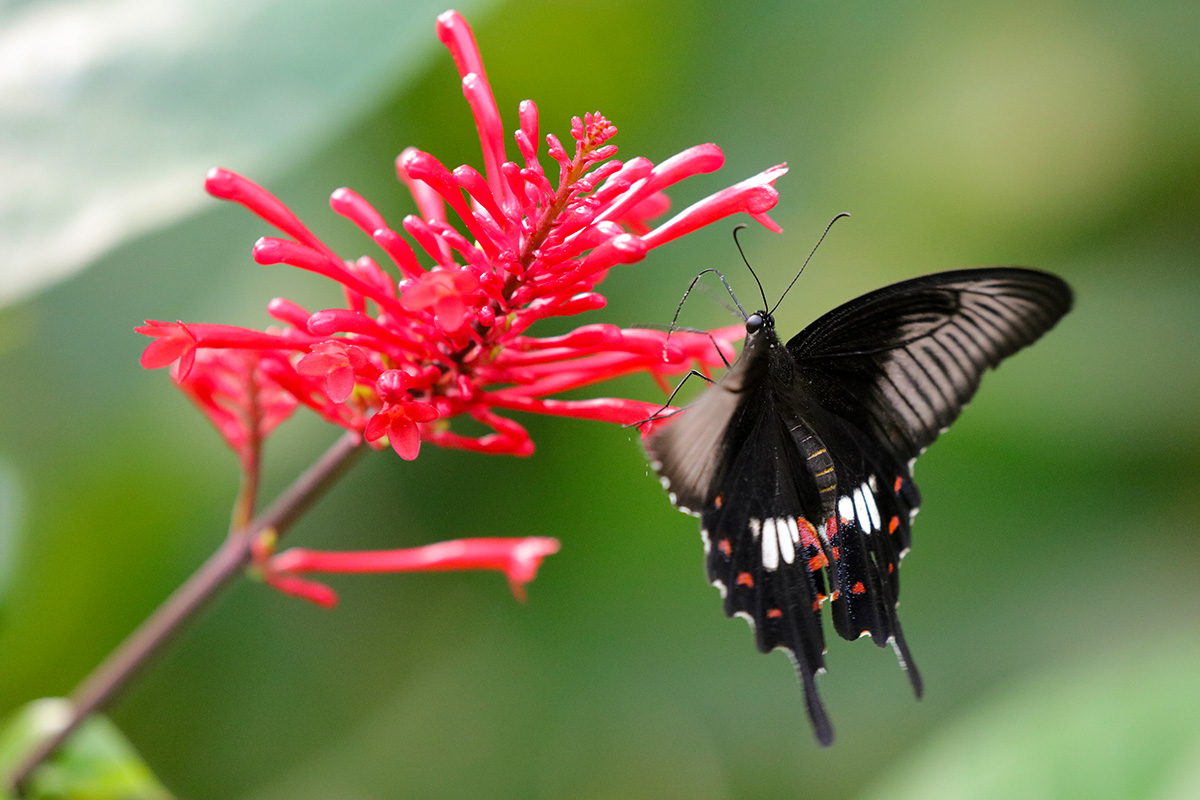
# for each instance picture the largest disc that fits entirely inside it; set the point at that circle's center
(836, 594)
(808, 534)
(774, 613)
(718, 501)
(725, 547)
(858, 588)
(745, 579)
(891, 568)
(895, 523)
(899, 483)
(836, 556)
(817, 562)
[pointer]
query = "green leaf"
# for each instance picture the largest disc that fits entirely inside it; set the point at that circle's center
(96, 763)
(113, 110)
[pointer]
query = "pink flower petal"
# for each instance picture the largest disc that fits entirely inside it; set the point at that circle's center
(404, 438)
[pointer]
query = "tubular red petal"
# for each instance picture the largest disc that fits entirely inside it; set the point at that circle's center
(479, 97)
(481, 193)
(316, 593)
(557, 151)
(268, 250)
(518, 559)
(421, 166)
(428, 201)
(753, 199)
(633, 170)
(399, 251)
(454, 32)
(428, 241)
(623, 249)
(285, 310)
(332, 321)
(226, 185)
(694, 161)
(349, 204)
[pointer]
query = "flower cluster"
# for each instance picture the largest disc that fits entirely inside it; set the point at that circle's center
(445, 330)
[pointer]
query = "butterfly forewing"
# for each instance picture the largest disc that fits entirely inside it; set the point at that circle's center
(902, 361)
(798, 460)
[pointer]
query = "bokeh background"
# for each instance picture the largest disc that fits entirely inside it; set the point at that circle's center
(1052, 594)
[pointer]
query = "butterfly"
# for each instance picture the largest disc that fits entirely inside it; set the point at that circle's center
(799, 460)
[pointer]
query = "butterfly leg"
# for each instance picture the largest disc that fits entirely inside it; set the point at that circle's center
(659, 413)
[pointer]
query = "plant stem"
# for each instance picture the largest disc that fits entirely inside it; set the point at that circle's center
(124, 663)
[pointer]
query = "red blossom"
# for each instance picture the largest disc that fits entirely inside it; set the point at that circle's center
(446, 292)
(398, 418)
(441, 328)
(491, 254)
(518, 559)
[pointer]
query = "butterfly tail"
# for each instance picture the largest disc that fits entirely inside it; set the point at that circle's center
(905, 657)
(817, 715)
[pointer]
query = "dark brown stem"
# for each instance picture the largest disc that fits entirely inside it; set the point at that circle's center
(124, 663)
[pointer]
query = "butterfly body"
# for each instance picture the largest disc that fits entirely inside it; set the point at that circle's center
(798, 461)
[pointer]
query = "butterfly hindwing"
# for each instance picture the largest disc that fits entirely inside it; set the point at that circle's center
(763, 551)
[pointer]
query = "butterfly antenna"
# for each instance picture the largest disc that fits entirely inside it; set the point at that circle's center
(691, 286)
(746, 261)
(810, 255)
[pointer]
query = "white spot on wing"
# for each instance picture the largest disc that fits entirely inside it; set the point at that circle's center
(770, 545)
(707, 543)
(721, 588)
(860, 507)
(872, 509)
(846, 507)
(755, 528)
(787, 546)
(749, 619)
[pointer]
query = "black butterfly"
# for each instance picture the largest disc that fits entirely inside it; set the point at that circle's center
(799, 460)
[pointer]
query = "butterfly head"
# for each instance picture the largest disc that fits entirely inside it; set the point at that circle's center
(759, 320)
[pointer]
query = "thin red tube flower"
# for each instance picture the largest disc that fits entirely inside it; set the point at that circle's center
(445, 331)
(518, 559)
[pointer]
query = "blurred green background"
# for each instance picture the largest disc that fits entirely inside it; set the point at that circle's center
(1051, 598)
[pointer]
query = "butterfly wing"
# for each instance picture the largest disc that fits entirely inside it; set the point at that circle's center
(740, 458)
(890, 371)
(900, 363)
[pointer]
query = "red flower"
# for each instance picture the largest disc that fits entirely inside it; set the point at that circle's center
(398, 418)
(518, 559)
(445, 291)
(490, 255)
(443, 330)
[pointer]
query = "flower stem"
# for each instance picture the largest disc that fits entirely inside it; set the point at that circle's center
(124, 663)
